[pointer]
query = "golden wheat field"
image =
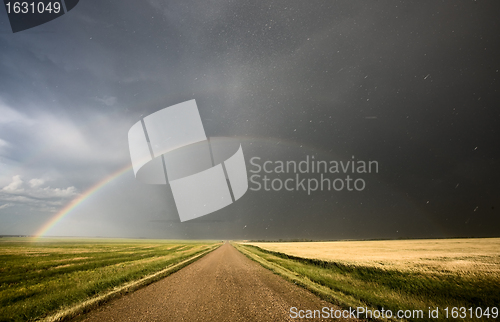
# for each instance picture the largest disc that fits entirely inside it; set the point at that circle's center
(469, 256)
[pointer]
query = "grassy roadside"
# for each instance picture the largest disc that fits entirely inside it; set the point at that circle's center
(362, 286)
(39, 279)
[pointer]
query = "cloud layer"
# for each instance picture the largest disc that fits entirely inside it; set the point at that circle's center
(35, 194)
(412, 85)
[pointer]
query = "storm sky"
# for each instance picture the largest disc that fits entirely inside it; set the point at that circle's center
(414, 85)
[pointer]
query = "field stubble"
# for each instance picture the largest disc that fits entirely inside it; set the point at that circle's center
(41, 278)
(395, 275)
(468, 256)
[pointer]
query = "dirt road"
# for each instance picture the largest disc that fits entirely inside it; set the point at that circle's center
(222, 286)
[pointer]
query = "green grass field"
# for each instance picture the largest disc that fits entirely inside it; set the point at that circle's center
(40, 278)
(357, 282)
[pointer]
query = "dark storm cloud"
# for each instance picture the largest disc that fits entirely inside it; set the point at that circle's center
(413, 85)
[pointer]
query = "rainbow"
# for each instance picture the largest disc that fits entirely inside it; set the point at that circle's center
(77, 201)
(97, 187)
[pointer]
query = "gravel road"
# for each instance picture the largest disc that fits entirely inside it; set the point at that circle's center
(222, 286)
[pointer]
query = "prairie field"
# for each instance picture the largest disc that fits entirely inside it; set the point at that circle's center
(473, 256)
(412, 275)
(41, 278)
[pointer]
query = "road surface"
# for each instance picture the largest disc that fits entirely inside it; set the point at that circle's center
(222, 286)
